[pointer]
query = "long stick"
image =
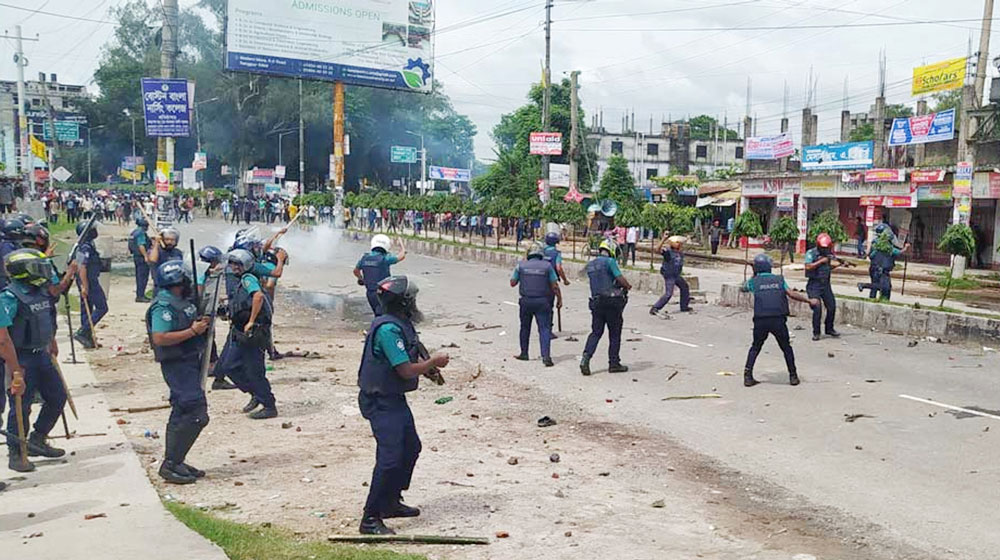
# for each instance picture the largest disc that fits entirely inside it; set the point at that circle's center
(65, 423)
(69, 396)
(90, 319)
(559, 317)
(906, 261)
(69, 325)
(22, 441)
(418, 539)
(21, 436)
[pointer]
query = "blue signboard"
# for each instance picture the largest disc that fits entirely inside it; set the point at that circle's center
(845, 155)
(935, 127)
(167, 107)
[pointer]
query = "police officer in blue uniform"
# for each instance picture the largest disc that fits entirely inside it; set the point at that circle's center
(164, 249)
(12, 232)
(882, 259)
(27, 328)
(538, 284)
(608, 298)
(176, 335)
(390, 368)
(552, 254)
(373, 267)
(213, 262)
(671, 269)
(249, 337)
(820, 263)
(770, 316)
(139, 246)
(88, 281)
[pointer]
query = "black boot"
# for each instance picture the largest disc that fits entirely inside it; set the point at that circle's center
(274, 354)
(399, 509)
(254, 403)
(38, 447)
(585, 365)
(16, 462)
(548, 362)
(793, 378)
(372, 525)
(84, 340)
(183, 440)
(617, 368)
(748, 380)
(265, 413)
(220, 384)
(172, 473)
(3, 486)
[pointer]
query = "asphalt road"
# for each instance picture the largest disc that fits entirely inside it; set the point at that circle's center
(927, 475)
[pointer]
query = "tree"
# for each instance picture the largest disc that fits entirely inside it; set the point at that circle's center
(703, 127)
(617, 183)
(863, 133)
(898, 110)
(783, 232)
(947, 100)
(958, 240)
(747, 225)
(827, 222)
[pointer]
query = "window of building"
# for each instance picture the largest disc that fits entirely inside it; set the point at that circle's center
(617, 148)
(652, 150)
(701, 151)
(739, 152)
(652, 172)
(36, 102)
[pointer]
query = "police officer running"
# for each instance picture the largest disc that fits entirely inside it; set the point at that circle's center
(139, 246)
(671, 269)
(882, 258)
(373, 267)
(27, 346)
(89, 282)
(538, 285)
(820, 263)
(390, 368)
(770, 316)
(249, 336)
(176, 335)
(164, 249)
(608, 298)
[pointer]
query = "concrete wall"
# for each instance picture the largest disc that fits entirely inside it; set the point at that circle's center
(953, 327)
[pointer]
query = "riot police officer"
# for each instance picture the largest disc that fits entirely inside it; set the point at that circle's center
(391, 367)
(552, 254)
(882, 259)
(249, 336)
(176, 336)
(12, 231)
(770, 316)
(164, 249)
(27, 328)
(608, 298)
(671, 269)
(94, 304)
(212, 272)
(139, 246)
(820, 262)
(538, 285)
(373, 267)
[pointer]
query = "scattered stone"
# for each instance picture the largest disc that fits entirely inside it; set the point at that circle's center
(858, 447)
(873, 380)
(502, 534)
(559, 494)
(855, 395)
(912, 343)
(571, 339)
(605, 473)
(568, 534)
(124, 504)
(319, 465)
(554, 458)
(286, 425)
(512, 461)
(90, 516)
(331, 369)
(121, 421)
(851, 418)
(545, 422)
(555, 475)
(298, 428)
(472, 397)
(31, 515)
(237, 483)
(829, 354)
(659, 504)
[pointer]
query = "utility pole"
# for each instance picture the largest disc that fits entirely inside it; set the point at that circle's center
(302, 144)
(984, 51)
(547, 96)
(27, 160)
(338, 152)
(168, 69)
(574, 115)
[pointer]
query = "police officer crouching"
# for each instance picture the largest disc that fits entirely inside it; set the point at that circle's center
(608, 298)
(390, 368)
(538, 285)
(175, 333)
(770, 316)
(27, 329)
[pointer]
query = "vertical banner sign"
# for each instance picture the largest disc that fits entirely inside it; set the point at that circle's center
(935, 127)
(803, 222)
(941, 76)
(963, 179)
(166, 104)
(163, 171)
(545, 143)
(376, 43)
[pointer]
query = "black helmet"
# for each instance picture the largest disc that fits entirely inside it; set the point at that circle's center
(13, 229)
(30, 266)
(142, 222)
(762, 263)
(172, 273)
(92, 234)
(210, 254)
(25, 218)
(32, 235)
(398, 295)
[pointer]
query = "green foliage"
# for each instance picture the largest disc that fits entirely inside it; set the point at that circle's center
(863, 133)
(785, 230)
(703, 128)
(563, 212)
(748, 225)
(958, 239)
(628, 215)
(898, 110)
(617, 183)
(827, 222)
(947, 100)
(675, 185)
(883, 243)
(964, 283)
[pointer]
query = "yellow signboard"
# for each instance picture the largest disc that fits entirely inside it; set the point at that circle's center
(941, 76)
(38, 148)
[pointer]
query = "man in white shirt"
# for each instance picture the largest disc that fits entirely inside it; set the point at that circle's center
(631, 238)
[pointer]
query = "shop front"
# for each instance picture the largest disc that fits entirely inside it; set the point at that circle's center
(772, 198)
(985, 210)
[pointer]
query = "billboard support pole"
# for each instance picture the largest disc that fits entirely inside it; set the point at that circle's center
(338, 135)
(168, 69)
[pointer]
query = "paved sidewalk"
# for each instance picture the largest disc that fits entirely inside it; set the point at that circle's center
(103, 476)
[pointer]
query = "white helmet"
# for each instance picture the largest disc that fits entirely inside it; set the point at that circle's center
(381, 241)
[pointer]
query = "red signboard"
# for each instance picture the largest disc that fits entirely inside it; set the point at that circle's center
(994, 185)
(899, 201)
(927, 176)
(546, 143)
(871, 200)
(885, 176)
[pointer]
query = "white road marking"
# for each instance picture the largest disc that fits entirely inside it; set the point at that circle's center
(672, 341)
(950, 407)
(510, 303)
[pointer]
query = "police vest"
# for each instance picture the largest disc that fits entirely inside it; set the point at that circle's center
(133, 243)
(374, 268)
(550, 253)
(673, 263)
(167, 255)
(93, 261)
(376, 375)
(602, 282)
(34, 324)
(182, 315)
(821, 272)
(240, 305)
(769, 298)
(533, 278)
(884, 261)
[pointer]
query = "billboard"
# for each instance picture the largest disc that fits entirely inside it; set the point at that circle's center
(885, 176)
(377, 43)
(449, 174)
(844, 155)
(545, 143)
(940, 76)
(402, 154)
(559, 174)
(935, 127)
(167, 107)
(66, 131)
(769, 147)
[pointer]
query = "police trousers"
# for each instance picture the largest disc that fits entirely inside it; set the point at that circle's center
(373, 302)
(881, 284)
(141, 276)
(539, 309)
(778, 327)
(821, 290)
(244, 364)
(98, 303)
(606, 311)
(39, 375)
(188, 405)
(396, 452)
(668, 292)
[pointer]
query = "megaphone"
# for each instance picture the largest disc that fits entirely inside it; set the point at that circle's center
(594, 208)
(609, 208)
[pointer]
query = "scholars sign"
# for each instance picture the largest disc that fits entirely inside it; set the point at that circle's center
(941, 76)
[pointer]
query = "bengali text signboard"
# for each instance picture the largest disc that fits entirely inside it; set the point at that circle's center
(885, 176)
(769, 147)
(844, 155)
(546, 143)
(924, 129)
(167, 106)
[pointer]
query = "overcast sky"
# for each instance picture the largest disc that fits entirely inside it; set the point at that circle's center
(658, 58)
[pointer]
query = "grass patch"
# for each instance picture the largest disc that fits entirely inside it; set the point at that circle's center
(964, 283)
(251, 542)
(920, 307)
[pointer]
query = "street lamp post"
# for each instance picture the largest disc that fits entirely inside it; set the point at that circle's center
(197, 117)
(281, 135)
(89, 128)
(423, 163)
(134, 171)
